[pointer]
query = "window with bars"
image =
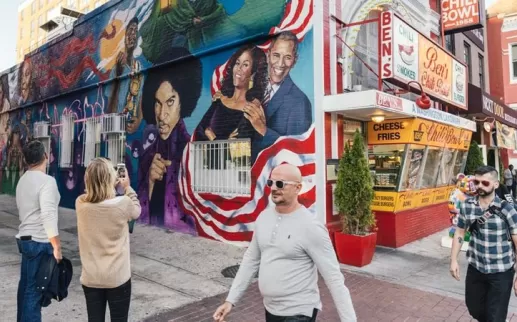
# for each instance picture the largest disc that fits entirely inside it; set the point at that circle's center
(222, 167)
(513, 60)
(66, 141)
(113, 128)
(92, 139)
(42, 133)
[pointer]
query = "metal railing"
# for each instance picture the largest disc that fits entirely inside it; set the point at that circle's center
(222, 167)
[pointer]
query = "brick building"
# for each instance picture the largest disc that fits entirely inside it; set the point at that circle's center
(502, 32)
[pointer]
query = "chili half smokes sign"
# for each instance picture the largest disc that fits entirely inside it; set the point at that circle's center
(407, 55)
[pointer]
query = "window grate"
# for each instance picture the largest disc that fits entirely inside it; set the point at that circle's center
(66, 140)
(222, 167)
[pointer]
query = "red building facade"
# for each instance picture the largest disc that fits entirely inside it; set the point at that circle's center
(502, 48)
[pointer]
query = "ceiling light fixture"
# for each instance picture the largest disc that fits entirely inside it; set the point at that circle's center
(378, 118)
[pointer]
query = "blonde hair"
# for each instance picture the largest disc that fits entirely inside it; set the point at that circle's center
(99, 180)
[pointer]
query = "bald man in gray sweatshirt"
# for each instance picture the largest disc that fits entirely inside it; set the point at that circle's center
(289, 246)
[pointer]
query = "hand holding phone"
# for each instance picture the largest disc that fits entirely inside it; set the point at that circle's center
(122, 176)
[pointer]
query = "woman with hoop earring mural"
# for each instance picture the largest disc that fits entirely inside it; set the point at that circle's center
(245, 81)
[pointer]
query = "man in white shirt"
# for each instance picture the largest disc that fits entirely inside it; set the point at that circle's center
(37, 199)
(289, 246)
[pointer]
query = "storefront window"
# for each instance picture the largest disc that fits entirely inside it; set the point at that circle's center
(413, 166)
(431, 167)
(459, 163)
(446, 172)
(385, 163)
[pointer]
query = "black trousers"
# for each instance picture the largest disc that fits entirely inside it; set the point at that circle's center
(295, 318)
(117, 298)
(488, 295)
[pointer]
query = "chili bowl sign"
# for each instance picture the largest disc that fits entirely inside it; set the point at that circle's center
(407, 55)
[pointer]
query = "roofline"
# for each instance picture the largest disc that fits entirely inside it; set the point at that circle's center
(24, 4)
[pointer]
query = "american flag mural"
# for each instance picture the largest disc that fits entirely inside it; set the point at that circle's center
(232, 220)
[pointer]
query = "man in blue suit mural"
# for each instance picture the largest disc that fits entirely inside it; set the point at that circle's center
(285, 110)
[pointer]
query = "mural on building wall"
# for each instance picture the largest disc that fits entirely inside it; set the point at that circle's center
(180, 94)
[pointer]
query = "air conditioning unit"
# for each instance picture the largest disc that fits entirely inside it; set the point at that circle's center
(41, 130)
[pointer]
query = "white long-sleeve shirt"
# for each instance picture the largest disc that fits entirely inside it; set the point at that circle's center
(37, 199)
(288, 250)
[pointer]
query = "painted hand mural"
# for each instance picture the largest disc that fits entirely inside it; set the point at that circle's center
(161, 64)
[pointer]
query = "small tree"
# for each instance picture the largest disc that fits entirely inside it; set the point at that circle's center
(354, 189)
(474, 158)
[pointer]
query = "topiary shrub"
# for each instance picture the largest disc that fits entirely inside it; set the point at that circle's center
(474, 158)
(354, 190)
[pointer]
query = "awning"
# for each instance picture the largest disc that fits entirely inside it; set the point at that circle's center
(363, 105)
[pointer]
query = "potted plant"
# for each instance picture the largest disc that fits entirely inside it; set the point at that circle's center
(355, 244)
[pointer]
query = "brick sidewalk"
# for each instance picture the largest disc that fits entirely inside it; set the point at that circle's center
(374, 300)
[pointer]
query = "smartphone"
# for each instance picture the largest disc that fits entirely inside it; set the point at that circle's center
(121, 173)
(121, 170)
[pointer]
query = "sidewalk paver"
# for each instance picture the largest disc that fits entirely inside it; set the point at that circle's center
(374, 300)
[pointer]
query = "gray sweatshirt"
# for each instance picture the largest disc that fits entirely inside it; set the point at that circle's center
(37, 198)
(288, 250)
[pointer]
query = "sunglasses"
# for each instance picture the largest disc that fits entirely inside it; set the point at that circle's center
(483, 182)
(280, 184)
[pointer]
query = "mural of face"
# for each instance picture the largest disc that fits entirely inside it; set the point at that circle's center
(131, 36)
(167, 109)
(25, 81)
(242, 70)
(281, 58)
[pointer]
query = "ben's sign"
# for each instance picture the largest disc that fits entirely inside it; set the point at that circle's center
(461, 15)
(406, 55)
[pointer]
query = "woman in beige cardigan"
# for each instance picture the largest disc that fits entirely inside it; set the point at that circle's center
(102, 225)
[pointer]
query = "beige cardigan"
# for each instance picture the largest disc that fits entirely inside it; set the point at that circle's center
(104, 239)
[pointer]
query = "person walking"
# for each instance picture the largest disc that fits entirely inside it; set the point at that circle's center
(492, 222)
(102, 226)
(288, 247)
(37, 200)
(508, 178)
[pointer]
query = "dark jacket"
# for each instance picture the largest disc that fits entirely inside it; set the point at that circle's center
(53, 279)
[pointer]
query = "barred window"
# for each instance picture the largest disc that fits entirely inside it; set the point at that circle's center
(42, 134)
(66, 141)
(92, 139)
(222, 167)
(113, 129)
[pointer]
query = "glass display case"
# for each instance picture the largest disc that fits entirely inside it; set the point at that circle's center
(403, 167)
(413, 167)
(431, 167)
(385, 163)
(460, 161)
(446, 173)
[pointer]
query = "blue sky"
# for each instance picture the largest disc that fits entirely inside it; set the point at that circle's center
(9, 25)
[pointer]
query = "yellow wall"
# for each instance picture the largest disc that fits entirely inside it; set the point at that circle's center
(26, 16)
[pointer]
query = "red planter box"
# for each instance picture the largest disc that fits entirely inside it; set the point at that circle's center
(355, 250)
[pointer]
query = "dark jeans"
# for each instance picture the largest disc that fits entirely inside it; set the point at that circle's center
(488, 295)
(117, 298)
(29, 299)
(295, 318)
